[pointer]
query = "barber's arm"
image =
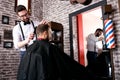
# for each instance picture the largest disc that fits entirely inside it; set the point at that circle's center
(100, 38)
(17, 40)
(99, 47)
(26, 41)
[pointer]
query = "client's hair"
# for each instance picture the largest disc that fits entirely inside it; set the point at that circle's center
(43, 27)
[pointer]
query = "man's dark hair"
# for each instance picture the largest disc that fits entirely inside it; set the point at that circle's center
(99, 29)
(20, 8)
(41, 28)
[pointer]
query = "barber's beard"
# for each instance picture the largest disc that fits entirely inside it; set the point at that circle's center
(97, 35)
(26, 20)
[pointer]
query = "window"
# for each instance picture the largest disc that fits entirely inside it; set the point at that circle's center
(26, 3)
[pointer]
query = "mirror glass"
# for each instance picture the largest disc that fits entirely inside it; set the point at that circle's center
(88, 21)
(82, 23)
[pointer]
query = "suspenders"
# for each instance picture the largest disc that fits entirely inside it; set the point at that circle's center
(23, 33)
(34, 29)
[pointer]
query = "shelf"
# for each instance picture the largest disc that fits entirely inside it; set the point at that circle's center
(57, 34)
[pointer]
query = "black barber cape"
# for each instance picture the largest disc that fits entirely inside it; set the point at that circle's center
(45, 61)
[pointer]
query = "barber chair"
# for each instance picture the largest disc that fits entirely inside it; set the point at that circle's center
(103, 65)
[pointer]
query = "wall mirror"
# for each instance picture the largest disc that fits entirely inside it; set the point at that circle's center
(82, 23)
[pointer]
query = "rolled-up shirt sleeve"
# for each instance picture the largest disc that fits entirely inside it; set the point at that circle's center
(91, 42)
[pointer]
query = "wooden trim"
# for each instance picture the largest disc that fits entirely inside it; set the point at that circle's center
(29, 7)
(15, 5)
(119, 4)
(80, 40)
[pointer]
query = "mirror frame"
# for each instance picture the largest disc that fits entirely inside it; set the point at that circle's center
(101, 3)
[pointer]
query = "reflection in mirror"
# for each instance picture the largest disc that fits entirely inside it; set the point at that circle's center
(88, 21)
(82, 23)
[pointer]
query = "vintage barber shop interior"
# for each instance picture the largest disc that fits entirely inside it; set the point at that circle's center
(71, 22)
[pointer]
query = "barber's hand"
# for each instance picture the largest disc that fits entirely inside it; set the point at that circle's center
(30, 37)
(43, 22)
(100, 38)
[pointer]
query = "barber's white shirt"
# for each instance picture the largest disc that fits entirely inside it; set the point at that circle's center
(91, 42)
(99, 45)
(27, 29)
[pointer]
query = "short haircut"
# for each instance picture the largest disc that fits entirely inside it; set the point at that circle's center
(99, 29)
(41, 28)
(20, 8)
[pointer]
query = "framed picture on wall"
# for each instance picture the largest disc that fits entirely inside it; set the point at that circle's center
(8, 44)
(5, 19)
(8, 34)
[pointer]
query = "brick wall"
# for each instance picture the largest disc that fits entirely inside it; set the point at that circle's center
(116, 52)
(9, 57)
(37, 10)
